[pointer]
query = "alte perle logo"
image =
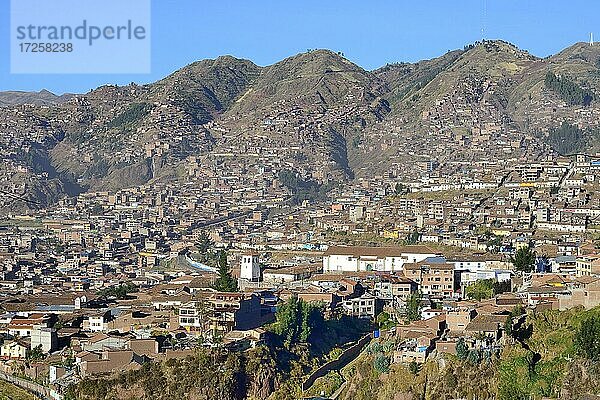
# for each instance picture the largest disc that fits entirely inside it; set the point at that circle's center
(78, 36)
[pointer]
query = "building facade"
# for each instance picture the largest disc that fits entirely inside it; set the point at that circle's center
(358, 258)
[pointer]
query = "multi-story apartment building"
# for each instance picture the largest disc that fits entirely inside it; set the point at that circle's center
(361, 307)
(588, 265)
(221, 312)
(435, 278)
(396, 288)
(97, 322)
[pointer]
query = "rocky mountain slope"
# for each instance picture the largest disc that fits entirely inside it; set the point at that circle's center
(317, 102)
(488, 101)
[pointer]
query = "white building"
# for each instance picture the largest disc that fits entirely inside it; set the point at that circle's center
(97, 323)
(289, 274)
(13, 350)
(471, 271)
(358, 258)
(363, 306)
(44, 336)
(250, 267)
(191, 315)
(469, 277)
(564, 265)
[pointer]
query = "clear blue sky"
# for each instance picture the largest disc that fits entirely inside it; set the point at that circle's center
(370, 33)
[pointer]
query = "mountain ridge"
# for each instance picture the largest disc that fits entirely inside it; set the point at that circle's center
(334, 113)
(43, 97)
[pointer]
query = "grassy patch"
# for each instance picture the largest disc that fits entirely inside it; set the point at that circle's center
(12, 392)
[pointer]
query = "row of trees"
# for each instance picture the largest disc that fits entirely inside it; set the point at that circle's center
(119, 292)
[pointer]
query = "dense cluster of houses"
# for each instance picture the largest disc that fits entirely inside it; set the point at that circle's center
(58, 331)
(425, 227)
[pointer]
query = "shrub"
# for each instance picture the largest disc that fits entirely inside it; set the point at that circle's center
(381, 363)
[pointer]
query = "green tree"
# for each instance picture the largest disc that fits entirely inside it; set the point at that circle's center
(502, 287)
(381, 363)
(568, 90)
(309, 317)
(413, 306)
(385, 321)
(374, 348)
(97, 209)
(119, 292)
(35, 354)
(480, 289)
(401, 189)
(517, 310)
(462, 351)
(474, 356)
(302, 189)
(225, 282)
(69, 361)
(520, 331)
(297, 321)
(287, 316)
(486, 289)
(524, 259)
(414, 367)
(508, 326)
(569, 139)
(587, 338)
(132, 114)
(413, 238)
(204, 244)
(493, 242)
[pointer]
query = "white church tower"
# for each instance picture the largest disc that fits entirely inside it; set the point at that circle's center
(250, 268)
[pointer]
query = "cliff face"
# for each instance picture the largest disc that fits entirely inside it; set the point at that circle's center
(204, 375)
